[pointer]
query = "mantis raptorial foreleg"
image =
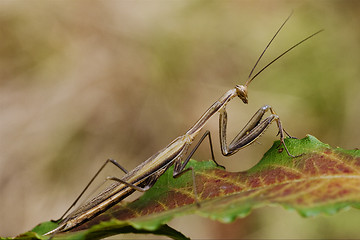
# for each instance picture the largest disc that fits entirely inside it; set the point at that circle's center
(252, 131)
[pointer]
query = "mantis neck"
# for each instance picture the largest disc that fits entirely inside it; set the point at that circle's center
(214, 108)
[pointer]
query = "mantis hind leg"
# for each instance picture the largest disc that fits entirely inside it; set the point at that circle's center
(252, 131)
(90, 182)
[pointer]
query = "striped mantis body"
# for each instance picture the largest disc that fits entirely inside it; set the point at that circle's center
(147, 173)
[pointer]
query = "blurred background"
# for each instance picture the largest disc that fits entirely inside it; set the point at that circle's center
(81, 82)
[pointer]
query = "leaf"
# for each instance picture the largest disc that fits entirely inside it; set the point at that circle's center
(100, 231)
(321, 180)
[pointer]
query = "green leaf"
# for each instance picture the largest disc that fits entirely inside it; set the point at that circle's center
(102, 230)
(321, 180)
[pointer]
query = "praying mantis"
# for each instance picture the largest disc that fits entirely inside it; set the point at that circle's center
(144, 176)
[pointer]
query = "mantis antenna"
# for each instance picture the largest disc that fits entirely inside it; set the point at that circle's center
(267, 46)
(274, 60)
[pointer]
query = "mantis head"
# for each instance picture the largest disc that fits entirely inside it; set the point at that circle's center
(241, 91)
